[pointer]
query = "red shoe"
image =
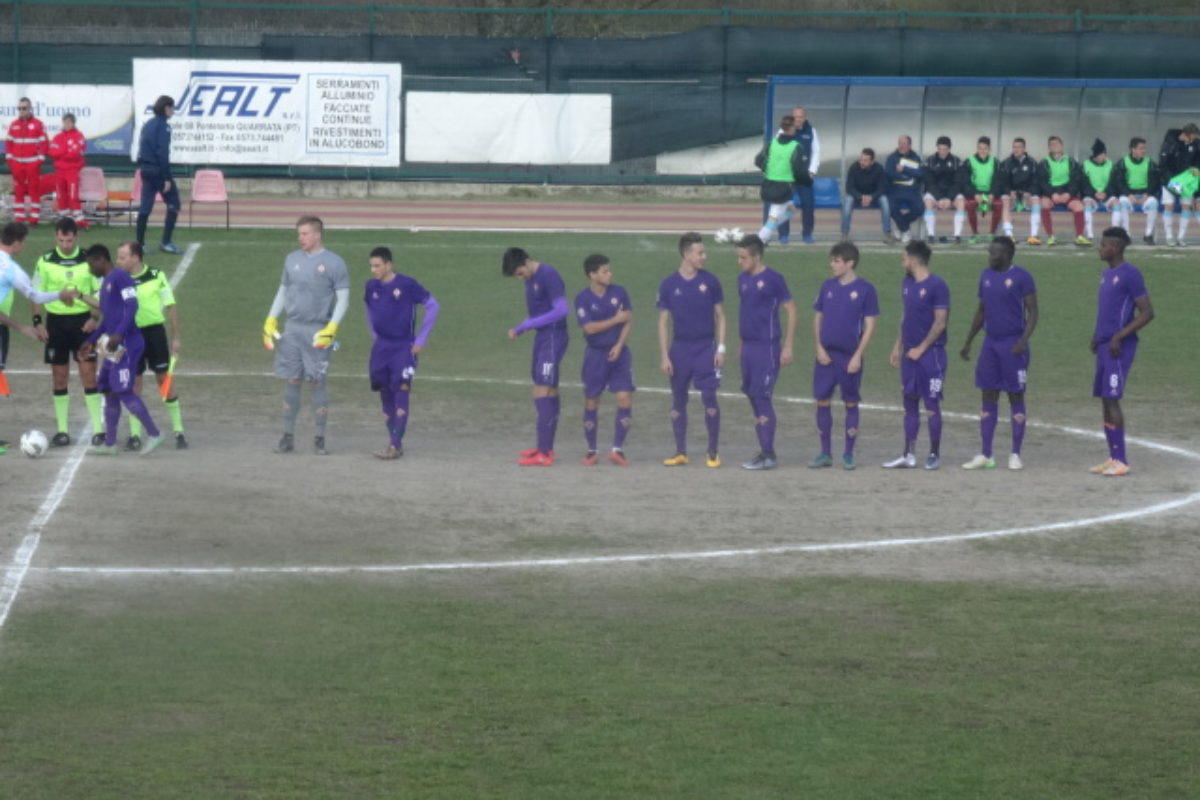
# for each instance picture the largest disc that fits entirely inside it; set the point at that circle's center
(537, 460)
(530, 453)
(618, 458)
(589, 460)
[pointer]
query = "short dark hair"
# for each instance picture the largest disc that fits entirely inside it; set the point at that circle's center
(161, 105)
(383, 253)
(687, 240)
(846, 251)
(984, 140)
(513, 258)
(919, 250)
(867, 151)
(1053, 138)
(66, 117)
(66, 225)
(594, 262)
(14, 232)
(752, 243)
(943, 140)
(1118, 233)
(1009, 245)
(1135, 141)
(98, 252)
(1020, 139)
(312, 220)
(787, 121)
(135, 248)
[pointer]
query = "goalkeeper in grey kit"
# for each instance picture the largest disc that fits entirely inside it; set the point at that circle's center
(314, 292)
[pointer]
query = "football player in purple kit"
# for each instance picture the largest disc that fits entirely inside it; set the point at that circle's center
(765, 348)
(846, 310)
(1123, 308)
(1007, 313)
(546, 304)
(604, 312)
(920, 353)
(392, 300)
(119, 343)
(690, 301)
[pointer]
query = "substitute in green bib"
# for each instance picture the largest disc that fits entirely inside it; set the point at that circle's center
(156, 305)
(980, 185)
(1136, 180)
(1097, 186)
(65, 327)
(1062, 181)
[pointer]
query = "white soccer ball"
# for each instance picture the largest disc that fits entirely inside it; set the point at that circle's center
(722, 235)
(34, 443)
(736, 234)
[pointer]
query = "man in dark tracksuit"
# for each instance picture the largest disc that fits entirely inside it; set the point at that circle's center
(154, 162)
(1019, 187)
(943, 189)
(903, 169)
(866, 186)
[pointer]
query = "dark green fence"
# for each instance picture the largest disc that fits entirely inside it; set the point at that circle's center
(678, 78)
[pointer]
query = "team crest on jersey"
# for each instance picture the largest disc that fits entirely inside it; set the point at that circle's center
(374, 295)
(320, 267)
(677, 292)
(987, 283)
(921, 293)
(396, 293)
(535, 287)
(70, 274)
(853, 295)
(613, 300)
(581, 313)
(1116, 279)
(829, 295)
(1008, 282)
(760, 284)
(704, 287)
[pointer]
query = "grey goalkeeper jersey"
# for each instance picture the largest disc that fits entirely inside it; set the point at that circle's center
(310, 281)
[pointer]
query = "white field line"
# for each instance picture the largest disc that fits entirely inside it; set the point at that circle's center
(874, 544)
(18, 567)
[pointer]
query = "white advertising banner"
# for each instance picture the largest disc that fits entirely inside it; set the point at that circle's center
(275, 112)
(104, 114)
(485, 128)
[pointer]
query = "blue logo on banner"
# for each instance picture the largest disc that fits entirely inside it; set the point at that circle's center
(234, 94)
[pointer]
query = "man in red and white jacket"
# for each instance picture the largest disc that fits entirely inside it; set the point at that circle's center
(67, 149)
(25, 149)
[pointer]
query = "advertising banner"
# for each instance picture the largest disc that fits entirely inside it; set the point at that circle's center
(104, 114)
(275, 112)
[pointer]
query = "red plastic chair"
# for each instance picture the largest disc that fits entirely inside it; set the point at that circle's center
(208, 186)
(93, 189)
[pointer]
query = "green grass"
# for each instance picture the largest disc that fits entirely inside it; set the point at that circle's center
(667, 682)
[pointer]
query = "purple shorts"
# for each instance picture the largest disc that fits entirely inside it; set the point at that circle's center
(549, 347)
(599, 373)
(828, 377)
(998, 369)
(392, 364)
(923, 378)
(118, 376)
(760, 368)
(693, 365)
(1112, 371)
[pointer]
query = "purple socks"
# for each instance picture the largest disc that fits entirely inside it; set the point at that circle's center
(712, 417)
(679, 420)
(547, 422)
(987, 426)
(912, 421)
(624, 420)
(1018, 426)
(590, 416)
(825, 428)
(112, 415)
(1116, 443)
(934, 408)
(764, 423)
(851, 428)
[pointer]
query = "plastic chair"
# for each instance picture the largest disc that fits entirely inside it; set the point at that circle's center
(93, 189)
(208, 186)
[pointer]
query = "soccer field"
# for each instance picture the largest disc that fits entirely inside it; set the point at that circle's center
(226, 622)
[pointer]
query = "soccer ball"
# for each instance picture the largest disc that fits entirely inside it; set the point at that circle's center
(34, 443)
(736, 234)
(722, 235)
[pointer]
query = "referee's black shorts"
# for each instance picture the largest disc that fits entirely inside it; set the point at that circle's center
(157, 355)
(66, 335)
(3, 345)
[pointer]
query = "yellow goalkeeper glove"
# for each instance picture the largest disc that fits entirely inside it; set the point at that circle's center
(324, 337)
(270, 332)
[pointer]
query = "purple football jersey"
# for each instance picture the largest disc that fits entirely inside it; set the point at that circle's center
(391, 306)
(541, 291)
(691, 304)
(1119, 288)
(843, 308)
(118, 305)
(761, 295)
(1003, 296)
(590, 307)
(920, 301)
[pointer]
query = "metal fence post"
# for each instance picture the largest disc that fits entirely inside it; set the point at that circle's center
(194, 24)
(16, 65)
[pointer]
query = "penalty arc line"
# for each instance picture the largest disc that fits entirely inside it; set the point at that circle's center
(18, 568)
(874, 544)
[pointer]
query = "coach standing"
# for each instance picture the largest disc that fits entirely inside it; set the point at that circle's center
(154, 161)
